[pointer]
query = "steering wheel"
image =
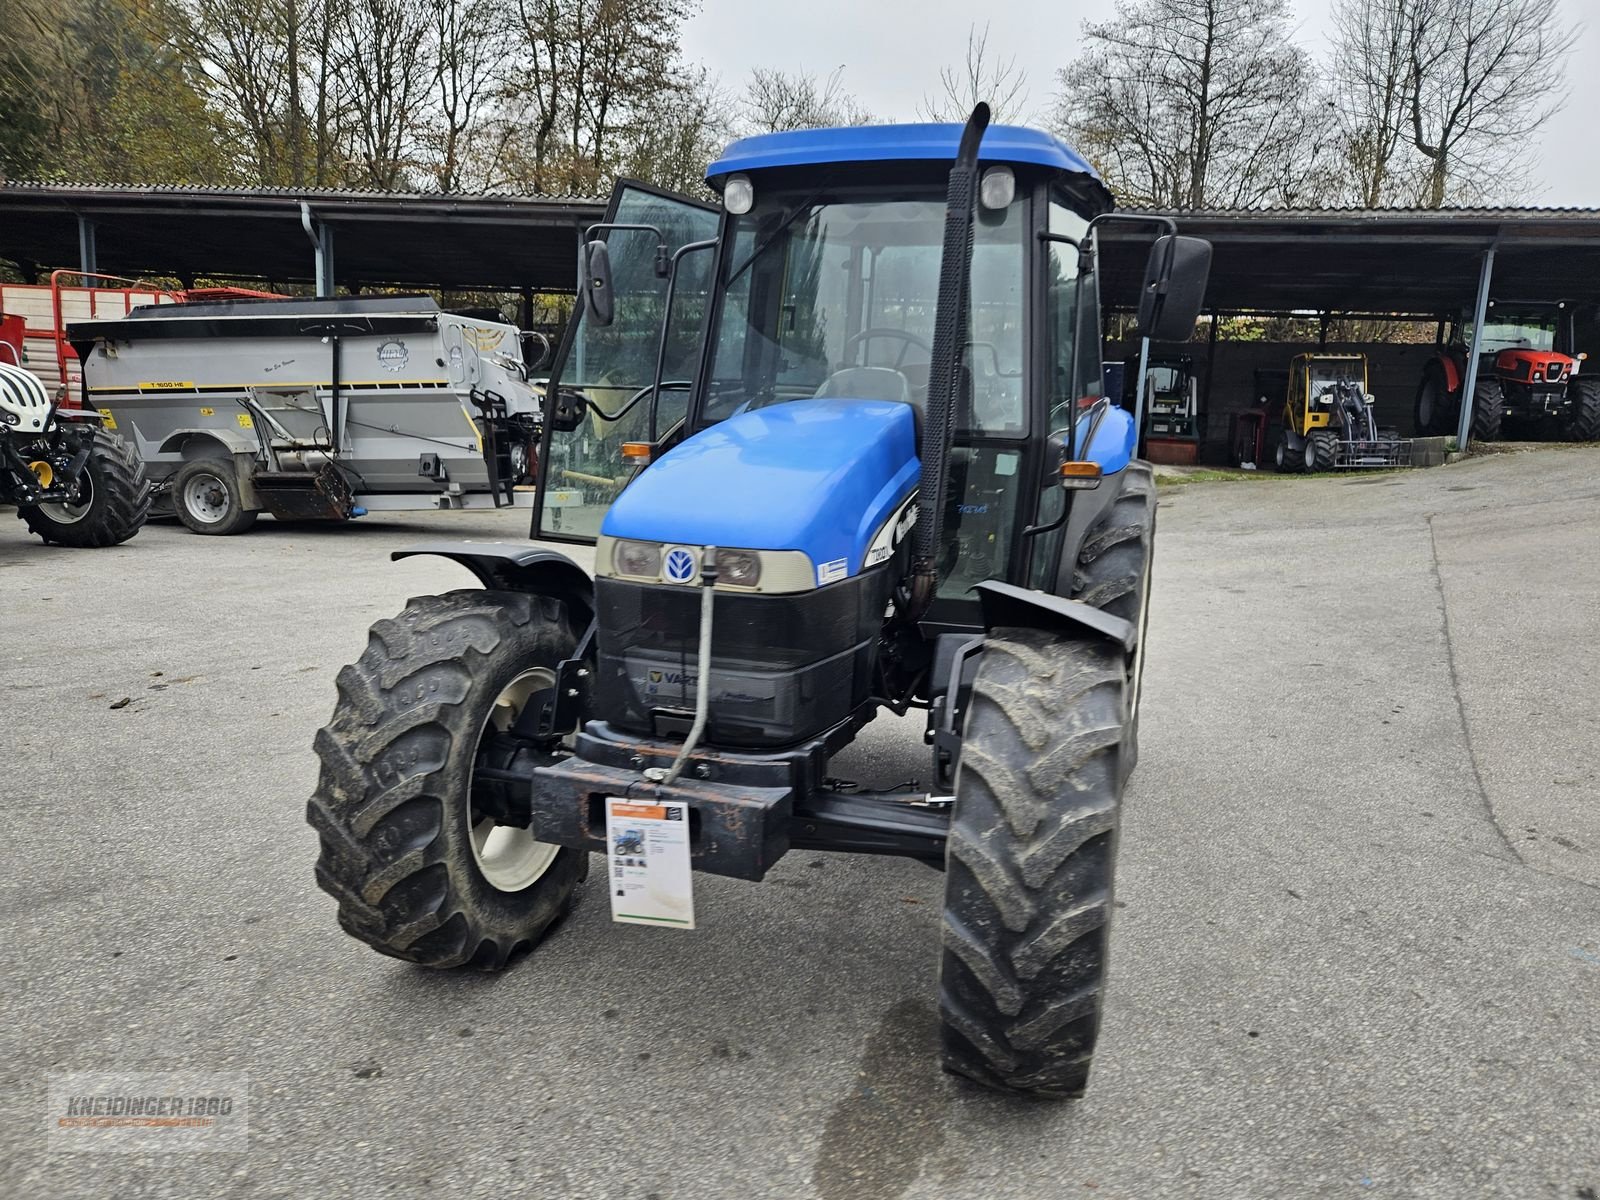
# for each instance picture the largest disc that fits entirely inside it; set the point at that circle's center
(907, 340)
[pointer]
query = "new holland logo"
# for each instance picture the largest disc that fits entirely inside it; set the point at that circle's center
(680, 566)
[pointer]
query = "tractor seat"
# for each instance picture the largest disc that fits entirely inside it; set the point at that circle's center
(867, 383)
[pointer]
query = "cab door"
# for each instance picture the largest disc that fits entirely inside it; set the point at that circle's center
(603, 374)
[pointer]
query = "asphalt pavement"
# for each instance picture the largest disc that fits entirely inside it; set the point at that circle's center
(1356, 953)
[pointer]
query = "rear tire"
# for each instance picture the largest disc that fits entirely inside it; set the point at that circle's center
(403, 849)
(1324, 450)
(1584, 424)
(1113, 573)
(116, 507)
(207, 499)
(1286, 458)
(1488, 410)
(1032, 849)
(1434, 403)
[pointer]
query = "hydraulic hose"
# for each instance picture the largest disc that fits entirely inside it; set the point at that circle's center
(944, 376)
(702, 698)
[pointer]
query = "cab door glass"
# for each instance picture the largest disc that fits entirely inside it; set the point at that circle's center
(611, 367)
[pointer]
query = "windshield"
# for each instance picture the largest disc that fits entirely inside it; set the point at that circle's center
(837, 298)
(1516, 331)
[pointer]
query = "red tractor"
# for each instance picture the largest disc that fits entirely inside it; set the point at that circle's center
(1527, 372)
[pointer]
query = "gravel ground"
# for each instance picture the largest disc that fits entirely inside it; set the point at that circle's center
(1357, 950)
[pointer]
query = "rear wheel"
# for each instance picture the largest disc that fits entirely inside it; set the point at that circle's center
(1114, 568)
(206, 497)
(1322, 448)
(1286, 458)
(1433, 407)
(1584, 423)
(113, 499)
(1032, 849)
(1488, 410)
(420, 871)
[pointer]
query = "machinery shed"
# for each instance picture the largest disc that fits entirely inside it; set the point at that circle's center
(1422, 265)
(1324, 265)
(349, 239)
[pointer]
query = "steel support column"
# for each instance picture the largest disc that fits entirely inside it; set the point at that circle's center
(88, 259)
(1470, 384)
(322, 241)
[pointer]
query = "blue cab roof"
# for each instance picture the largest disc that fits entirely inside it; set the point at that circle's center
(871, 143)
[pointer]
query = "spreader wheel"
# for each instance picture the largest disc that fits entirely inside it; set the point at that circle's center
(1029, 871)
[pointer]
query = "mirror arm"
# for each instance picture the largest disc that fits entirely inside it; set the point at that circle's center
(666, 320)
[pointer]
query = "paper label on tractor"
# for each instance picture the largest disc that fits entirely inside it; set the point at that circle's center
(647, 862)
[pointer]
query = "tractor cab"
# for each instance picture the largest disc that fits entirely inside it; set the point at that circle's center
(817, 286)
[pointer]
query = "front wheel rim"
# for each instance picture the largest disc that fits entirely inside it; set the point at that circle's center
(205, 498)
(1311, 455)
(508, 857)
(71, 514)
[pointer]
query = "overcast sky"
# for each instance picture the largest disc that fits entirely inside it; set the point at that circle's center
(891, 51)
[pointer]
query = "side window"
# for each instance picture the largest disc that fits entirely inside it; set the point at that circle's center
(583, 470)
(1069, 304)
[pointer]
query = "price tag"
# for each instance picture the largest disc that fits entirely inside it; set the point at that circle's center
(647, 862)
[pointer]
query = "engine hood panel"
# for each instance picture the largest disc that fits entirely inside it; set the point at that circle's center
(820, 476)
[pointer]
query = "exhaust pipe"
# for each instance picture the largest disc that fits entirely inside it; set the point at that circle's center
(944, 376)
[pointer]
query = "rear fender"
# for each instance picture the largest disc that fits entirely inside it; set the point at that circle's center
(1452, 372)
(510, 567)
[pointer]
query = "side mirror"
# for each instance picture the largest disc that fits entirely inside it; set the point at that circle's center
(594, 281)
(1174, 288)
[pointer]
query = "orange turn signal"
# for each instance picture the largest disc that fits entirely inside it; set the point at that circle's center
(1080, 475)
(638, 452)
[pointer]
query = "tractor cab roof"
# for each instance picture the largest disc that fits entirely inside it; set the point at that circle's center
(1012, 145)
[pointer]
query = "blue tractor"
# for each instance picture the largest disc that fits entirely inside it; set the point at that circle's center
(841, 448)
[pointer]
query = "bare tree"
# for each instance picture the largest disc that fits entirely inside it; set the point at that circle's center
(1370, 72)
(775, 100)
(1189, 103)
(468, 44)
(998, 82)
(1484, 75)
(1432, 93)
(384, 75)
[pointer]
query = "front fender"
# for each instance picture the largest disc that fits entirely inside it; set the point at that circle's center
(1007, 606)
(512, 567)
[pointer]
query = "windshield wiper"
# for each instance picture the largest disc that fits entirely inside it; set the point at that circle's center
(788, 220)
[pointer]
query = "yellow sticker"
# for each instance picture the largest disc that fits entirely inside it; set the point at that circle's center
(167, 385)
(244, 420)
(208, 412)
(108, 419)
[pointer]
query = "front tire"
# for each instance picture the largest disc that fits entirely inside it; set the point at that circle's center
(1488, 410)
(1032, 849)
(1321, 451)
(206, 497)
(420, 874)
(1584, 424)
(115, 505)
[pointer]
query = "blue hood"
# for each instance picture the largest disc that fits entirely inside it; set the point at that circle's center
(820, 476)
